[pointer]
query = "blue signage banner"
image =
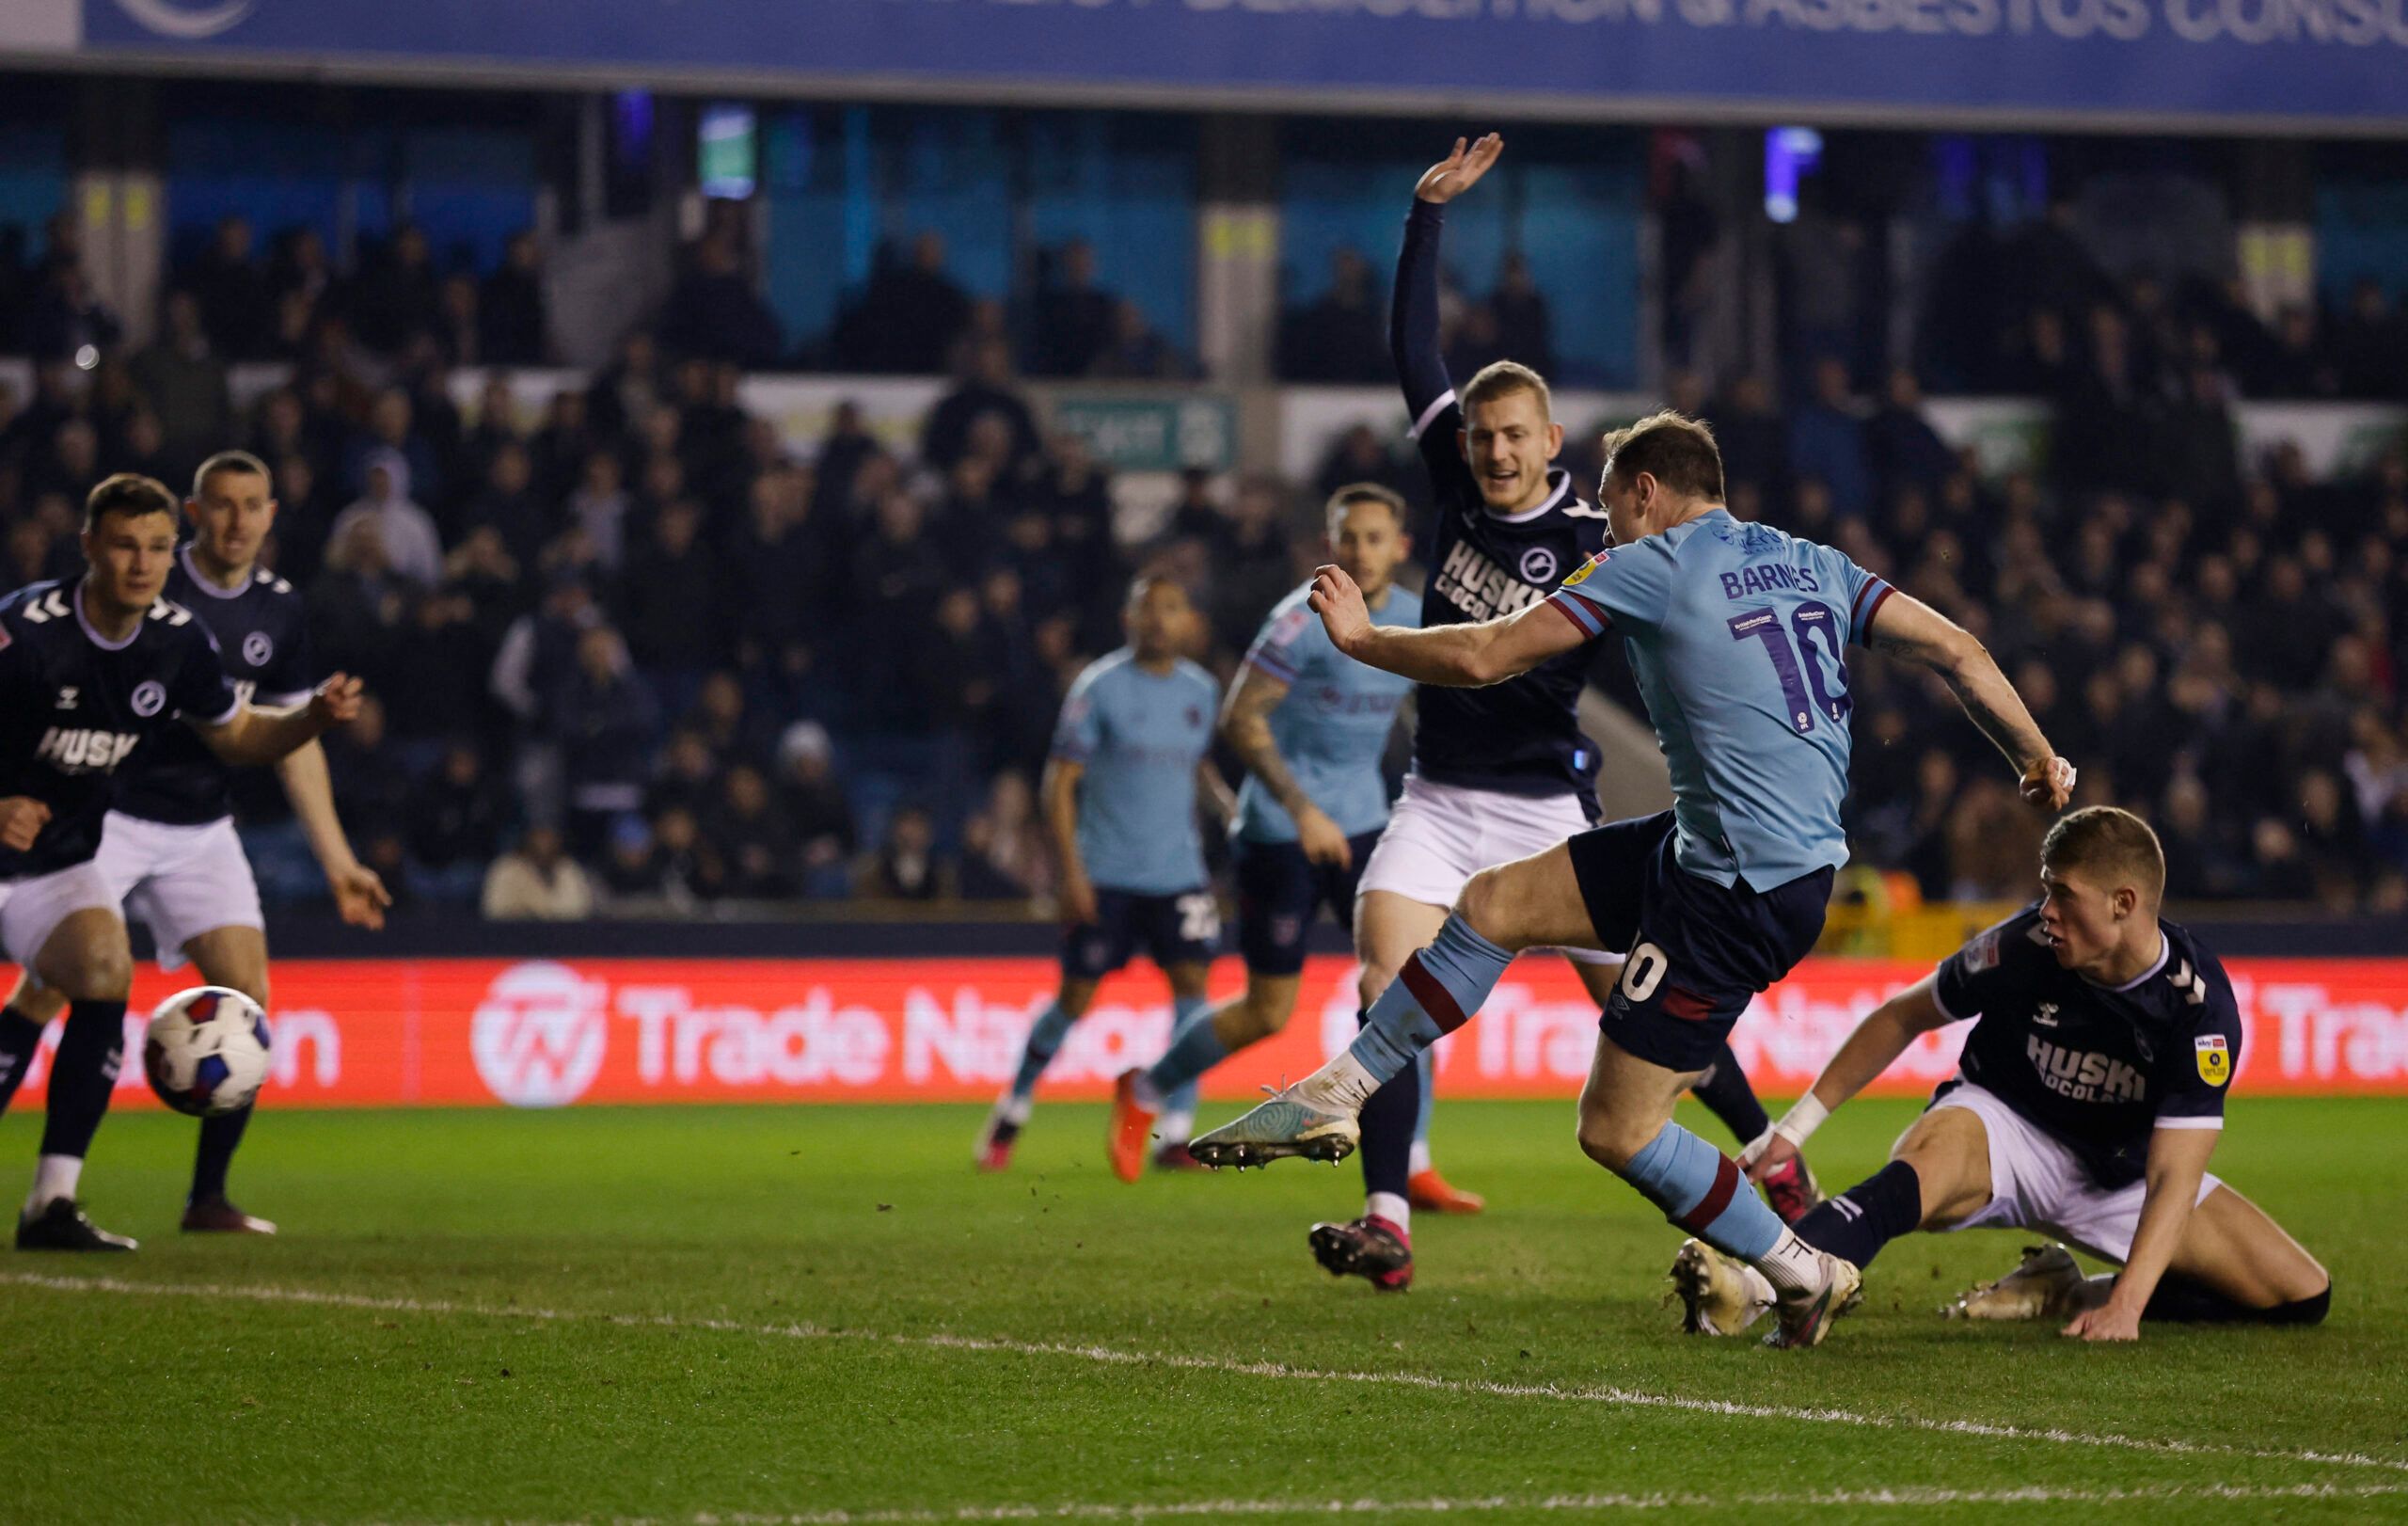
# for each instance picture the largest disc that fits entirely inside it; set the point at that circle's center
(2334, 61)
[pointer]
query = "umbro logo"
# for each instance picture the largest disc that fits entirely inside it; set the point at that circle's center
(67, 698)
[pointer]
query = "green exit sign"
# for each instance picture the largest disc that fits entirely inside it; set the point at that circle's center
(1130, 434)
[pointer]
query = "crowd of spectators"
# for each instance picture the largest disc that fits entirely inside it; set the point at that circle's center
(629, 645)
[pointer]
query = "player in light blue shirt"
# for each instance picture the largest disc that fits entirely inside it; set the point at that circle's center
(1737, 633)
(1129, 769)
(1311, 725)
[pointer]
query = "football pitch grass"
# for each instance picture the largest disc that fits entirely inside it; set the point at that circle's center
(824, 1315)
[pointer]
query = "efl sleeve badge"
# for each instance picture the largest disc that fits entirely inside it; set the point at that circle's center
(2215, 1059)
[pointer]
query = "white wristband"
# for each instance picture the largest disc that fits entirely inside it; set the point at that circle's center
(1802, 1121)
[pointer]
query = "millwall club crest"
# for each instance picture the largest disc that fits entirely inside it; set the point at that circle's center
(1538, 566)
(149, 698)
(257, 648)
(2215, 1059)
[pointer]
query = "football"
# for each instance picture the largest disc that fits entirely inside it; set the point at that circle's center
(206, 1051)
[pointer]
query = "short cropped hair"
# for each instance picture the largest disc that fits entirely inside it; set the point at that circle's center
(242, 463)
(2109, 842)
(1676, 451)
(1353, 493)
(1503, 379)
(128, 493)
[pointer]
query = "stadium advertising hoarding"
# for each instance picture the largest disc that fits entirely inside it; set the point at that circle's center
(2329, 60)
(540, 1033)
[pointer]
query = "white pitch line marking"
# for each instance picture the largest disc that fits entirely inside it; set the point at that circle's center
(1627, 1398)
(1909, 1496)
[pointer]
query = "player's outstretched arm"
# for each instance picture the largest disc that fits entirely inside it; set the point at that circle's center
(254, 739)
(1461, 657)
(1413, 306)
(360, 892)
(1911, 629)
(1881, 1038)
(2178, 1158)
(1246, 726)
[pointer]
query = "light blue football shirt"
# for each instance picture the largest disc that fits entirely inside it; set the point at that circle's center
(1738, 634)
(1334, 724)
(1140, 736)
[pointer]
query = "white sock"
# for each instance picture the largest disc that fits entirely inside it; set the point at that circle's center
(1791, 1265)
(1342, 1086)
(1174, 1128)
(1015, 1110)
(1759, 1287)
(55, 1177)
(1148, 1096)
(1389, 1206)
(1419, 1160)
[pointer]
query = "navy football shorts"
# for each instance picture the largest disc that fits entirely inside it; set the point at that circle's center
(1183, 928)
(1281, 892)
(1697, 951)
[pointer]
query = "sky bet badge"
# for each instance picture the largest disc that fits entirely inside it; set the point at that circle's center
(1585, 568)
(2215, 1059)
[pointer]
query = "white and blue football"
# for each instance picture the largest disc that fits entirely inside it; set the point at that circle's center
(206, 1052)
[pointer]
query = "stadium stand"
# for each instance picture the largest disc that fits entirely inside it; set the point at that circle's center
(641, 649)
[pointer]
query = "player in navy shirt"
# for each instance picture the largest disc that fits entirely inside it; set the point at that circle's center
(1499, 771)
(170, 851)
(1131, 766)
(90, 674)
(1737, 633)
(2088, 1099)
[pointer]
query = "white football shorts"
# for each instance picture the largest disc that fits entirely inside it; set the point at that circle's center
(179, 880)
(2036, 1183)
(32, 907)
(1439, 836)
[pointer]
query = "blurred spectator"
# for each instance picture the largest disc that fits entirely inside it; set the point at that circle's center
(230, 287)
(184, 381)
(537, 881)
(815, 808)
(510, 308)
(454, 826)
(908, 316)
(906, 866)
(714, 312)
(1007, 857)
(982, 389)
(1900, 446)
(406, 538)
(1075, 317)
(396, 298)
(1827, 439)
(1135, 352)
(1525, 330)
(675, 605)
(600, 506)
(1341, 336)
(632, 869)
(602, 719)
(753, 838)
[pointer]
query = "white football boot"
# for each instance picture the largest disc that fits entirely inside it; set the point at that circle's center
(1718, 1296)
(2045, 1284)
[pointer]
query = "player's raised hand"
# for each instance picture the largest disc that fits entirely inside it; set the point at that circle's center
(2048, 786)
(21, 818)
(1459, 171)
(1323, 839)
(336, 702)
(1340, 604)
(360, 895)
